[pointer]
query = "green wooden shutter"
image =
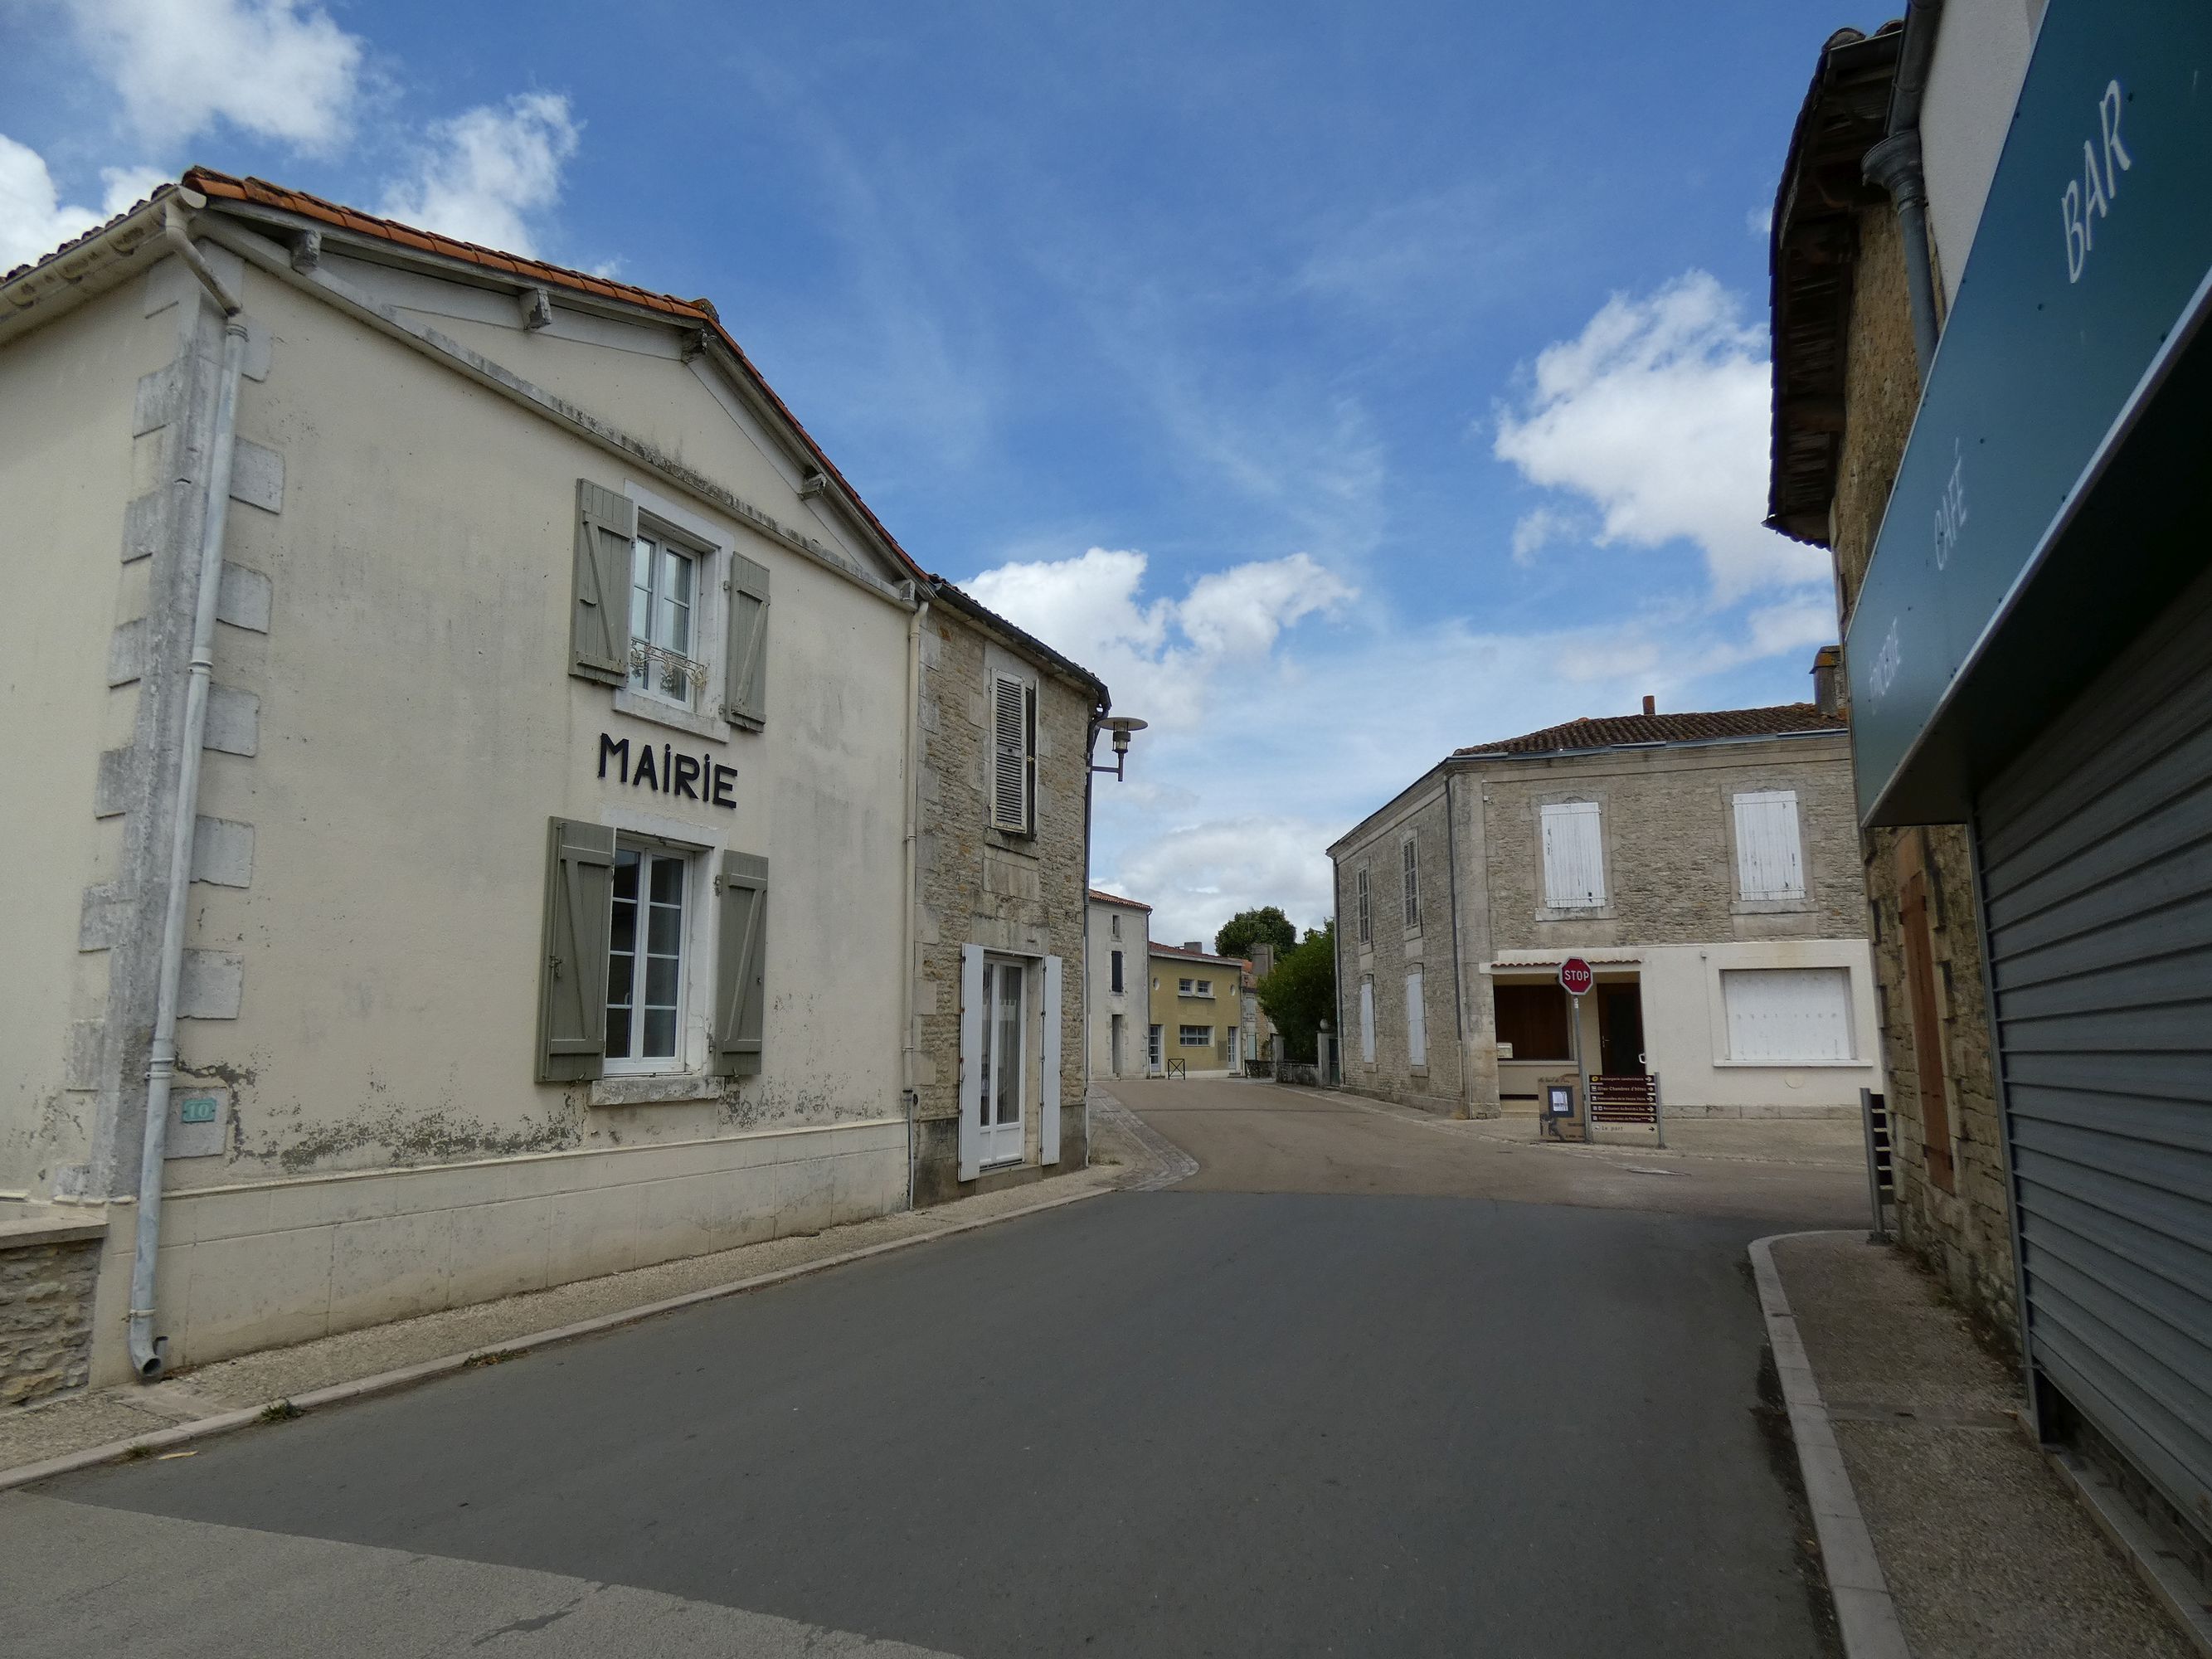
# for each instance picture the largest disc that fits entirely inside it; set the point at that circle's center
(598, 625)
(744, 697)
(740, 961)
(572, 982)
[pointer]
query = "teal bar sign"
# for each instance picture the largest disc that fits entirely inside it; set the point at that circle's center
(2093, 250)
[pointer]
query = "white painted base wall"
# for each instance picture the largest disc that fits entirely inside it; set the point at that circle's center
(1685, 1035)
(276, 1262)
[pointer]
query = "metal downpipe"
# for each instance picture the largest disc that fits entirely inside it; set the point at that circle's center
(146, 1349)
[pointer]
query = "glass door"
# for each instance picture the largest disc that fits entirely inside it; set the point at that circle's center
(1004, 1072)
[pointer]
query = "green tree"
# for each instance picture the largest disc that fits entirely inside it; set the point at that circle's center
(1302, 992)
(1264, 926)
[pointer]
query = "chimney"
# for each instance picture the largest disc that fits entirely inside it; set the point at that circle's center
(1828, 679)
(1650, 703)
(1197, 945)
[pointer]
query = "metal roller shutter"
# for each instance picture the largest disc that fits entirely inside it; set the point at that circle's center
(2096, 852)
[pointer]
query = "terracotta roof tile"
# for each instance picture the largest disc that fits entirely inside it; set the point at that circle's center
(1115, 898)
(1620, 730)
(100, 229)
(1177, 950)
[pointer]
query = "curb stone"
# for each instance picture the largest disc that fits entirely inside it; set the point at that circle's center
(1865, 1613)
(363, 1387)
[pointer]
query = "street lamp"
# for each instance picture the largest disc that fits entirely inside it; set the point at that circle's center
(1121, 725)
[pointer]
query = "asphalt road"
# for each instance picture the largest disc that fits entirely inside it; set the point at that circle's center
(1344, 1420)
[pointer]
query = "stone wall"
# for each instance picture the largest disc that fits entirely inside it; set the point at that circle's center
(979, 885)
(1962, 1232)
(1668, 824)
(45, 1318)
(1393, 949)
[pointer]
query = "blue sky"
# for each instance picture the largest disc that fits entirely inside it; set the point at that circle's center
(1344, 383)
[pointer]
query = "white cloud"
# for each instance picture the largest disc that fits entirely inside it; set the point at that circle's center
(1658, 414)
(1203, 873)
(33, 219)
(1160, 656)
(1536, 530)
(1759, 221)
(277, 69)
(487, 170)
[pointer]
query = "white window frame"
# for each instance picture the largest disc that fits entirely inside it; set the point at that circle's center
(1024, 691)
(687, 946)
(1183, 987)
(1409, 871)
(710, 546)
(1185, 1040)
(1597, 897)
(657, 660)
(1747, 804)
(1205, 987)
(1417, 1022)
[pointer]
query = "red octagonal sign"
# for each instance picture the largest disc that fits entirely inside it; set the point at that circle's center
(1576, 977)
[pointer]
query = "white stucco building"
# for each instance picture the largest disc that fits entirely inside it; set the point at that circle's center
(547, 859)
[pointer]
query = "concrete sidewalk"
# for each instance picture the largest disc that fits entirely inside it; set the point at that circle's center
(79, 1423)
(1987, 1552)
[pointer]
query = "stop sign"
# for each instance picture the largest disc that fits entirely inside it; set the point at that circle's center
(1576, 977)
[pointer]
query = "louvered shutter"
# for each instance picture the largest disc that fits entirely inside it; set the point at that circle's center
(1010, 768)
(1770, 861)
(1048, 1102)
(1366, 924)
(744, 694)
(740, 962)
(572, 982)
(1574, 856)
(971, 1060)
(598, 624)
(1409, 855)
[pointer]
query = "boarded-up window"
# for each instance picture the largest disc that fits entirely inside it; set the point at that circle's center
(1574, 856)
(1533, 1019)
(1417, 1021)
(1013, 754)
(1367, 1020)
(1769, 863)
(1782, 1015)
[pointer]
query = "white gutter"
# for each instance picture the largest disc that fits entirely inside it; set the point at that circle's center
(909, 1093)
(145, 1347)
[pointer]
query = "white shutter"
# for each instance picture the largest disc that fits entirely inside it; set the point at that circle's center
(1769, 863)
(971, 1060)
(1782, 1015)
(1048, 1102)
(1010, 771)
(1574, 856)
(1417, 1022)
(1367, 1020)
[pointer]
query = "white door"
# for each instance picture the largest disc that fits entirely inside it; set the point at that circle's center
(1152, 1049)
(1004, 1072)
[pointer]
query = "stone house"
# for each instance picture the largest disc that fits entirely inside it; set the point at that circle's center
(1001, 868)
(2026, 602)
(1118, 949)
(1705, 863)
(497, 783)
(1198, 1009)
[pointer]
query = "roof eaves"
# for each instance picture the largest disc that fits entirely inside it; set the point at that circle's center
(1028, 644)
(261, 192)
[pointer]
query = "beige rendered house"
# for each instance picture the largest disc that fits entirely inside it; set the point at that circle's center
(497, 783)
(1198, 1011)
(1705, 865)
